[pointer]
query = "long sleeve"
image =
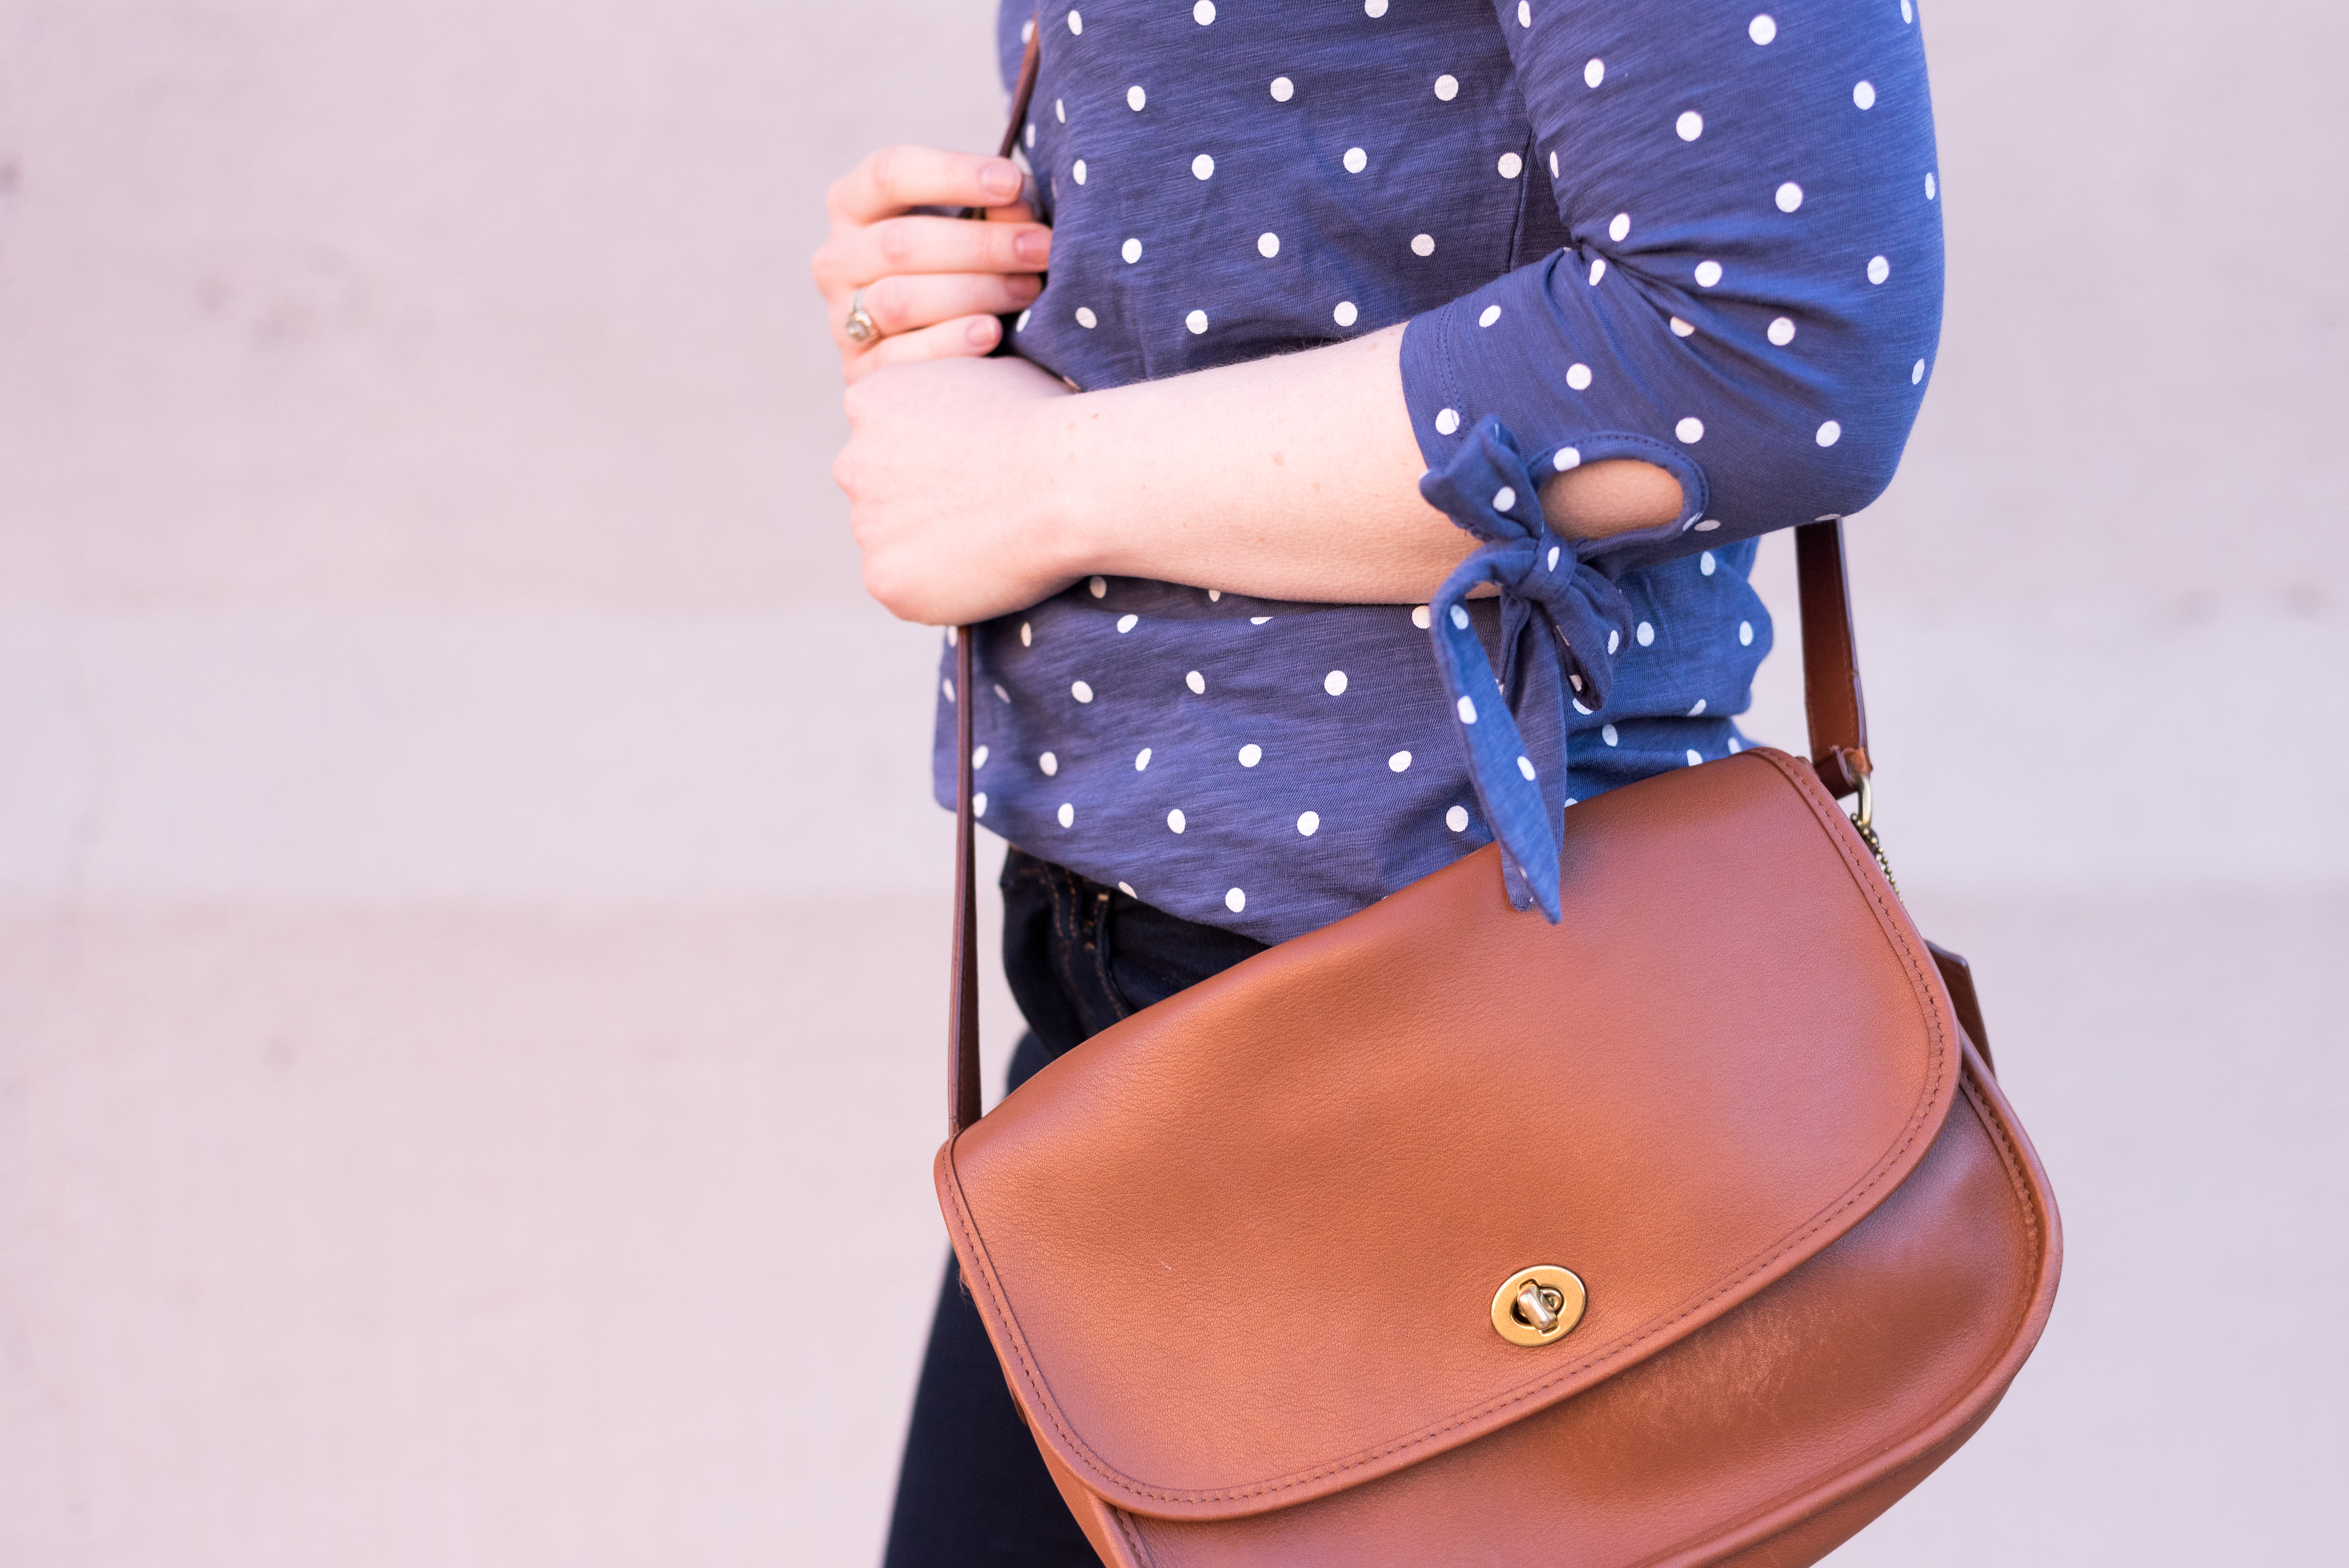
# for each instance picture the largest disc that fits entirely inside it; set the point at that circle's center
(1753, 291)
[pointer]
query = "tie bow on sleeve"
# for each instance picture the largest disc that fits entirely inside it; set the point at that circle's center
(1556, 609)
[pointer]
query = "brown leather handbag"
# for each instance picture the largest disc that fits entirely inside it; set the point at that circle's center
(1691, 1230)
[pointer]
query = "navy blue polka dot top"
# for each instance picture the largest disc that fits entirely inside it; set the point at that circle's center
(1702, 234)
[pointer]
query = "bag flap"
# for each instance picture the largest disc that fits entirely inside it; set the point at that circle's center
(1241, 1249)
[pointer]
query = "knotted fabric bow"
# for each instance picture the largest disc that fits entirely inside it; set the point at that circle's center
(1489, 489)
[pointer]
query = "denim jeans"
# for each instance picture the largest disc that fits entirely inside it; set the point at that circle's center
(972, 1492)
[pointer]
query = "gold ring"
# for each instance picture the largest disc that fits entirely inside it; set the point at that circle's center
(860, 325)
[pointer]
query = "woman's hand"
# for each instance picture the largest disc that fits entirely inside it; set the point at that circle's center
(947, 491)
(933, 286)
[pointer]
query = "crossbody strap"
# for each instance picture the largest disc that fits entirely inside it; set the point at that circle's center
(1831, 700)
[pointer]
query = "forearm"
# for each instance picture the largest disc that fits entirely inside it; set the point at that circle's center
(1294, 477)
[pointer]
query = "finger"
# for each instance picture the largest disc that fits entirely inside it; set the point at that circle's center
(968, 338)
(896, 177)
(908, 302)
(1017, 212)
(855, 257)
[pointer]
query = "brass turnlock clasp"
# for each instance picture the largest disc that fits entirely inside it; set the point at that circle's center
(1539, 1306)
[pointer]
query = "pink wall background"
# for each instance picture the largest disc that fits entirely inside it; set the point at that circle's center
(467, 993)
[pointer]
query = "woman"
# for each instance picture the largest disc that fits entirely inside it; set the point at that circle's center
(1352, 288)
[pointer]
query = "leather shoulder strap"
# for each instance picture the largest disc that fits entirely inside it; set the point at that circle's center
(1831, 699)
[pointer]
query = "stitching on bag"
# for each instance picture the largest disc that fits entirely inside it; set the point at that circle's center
(1894, 1160)
(1835, 1488)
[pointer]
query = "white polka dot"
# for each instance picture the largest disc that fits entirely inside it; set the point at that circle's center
(1579, 709)
(1399, 761)
(1447, 86)
(1681, 328)
(1708, 274)
(1830, 433)
(1175, 819)
(1734, 746)
(1196, 321)
(1553, 566)
(1098, 587)
(1131, 251)
(1021, 325)
(1345, 313)
(1203, 167)
(1879, 269)
(1267, 244)
(1258, 619)
(1048, 763)
(1031, 133)
(1553, 166)
(1491, 313)
(1762, 30)
(1028, 29)
(1127, 889)
(1356, 161)
(1526, 766)
(1466, 709)
(1235, 901)
(1446, 422)
(1456, 819)
(1078, 170)
(1128, 622)
(1136, 98)
(1708, 525)
(1577, 375)
(1419, 617)
(1504, 499)
(1790, 196)
(1907, 14)
(1567, 457)
(1197, 682)
(1690, 125)
(1510, 165)
(1076, 22)
(1646, 634)
(1916, 372)
(1310, 824)
(1698, 709)
(1620, 230)
(1251, 754)
(1745, 634)
(1081, 691)
(1607, 734)
(1215, 595)
(1525, 13)
(1374, 7)
(1086, 318)
(1026, 635)
(1334, 683)
(1782, 331)
(1690, 429)
(1694, 757)
(1460, 616)
(1594, 72)
(1598, 270)
(1705, 563)
(978, 757)
(1929, 186)
(979, 804)
(1614, 641)
(1067, 815)
(1204, 12)
(947, 687)
(1141, 759)
(1572, 802)
(1864, 93)
(1283, 89)
(1001, 695)
(1423, 244)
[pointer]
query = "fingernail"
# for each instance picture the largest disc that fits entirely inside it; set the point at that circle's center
(1033, 246)
(982, 332)
(1000, 180)
(1026, 286)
